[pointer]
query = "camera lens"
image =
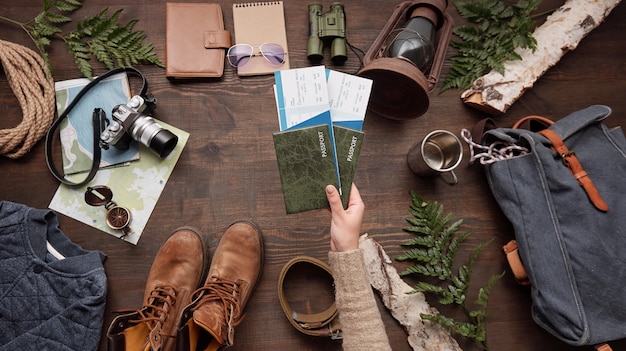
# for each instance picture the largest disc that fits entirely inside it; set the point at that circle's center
(148, 132)
(163, 142)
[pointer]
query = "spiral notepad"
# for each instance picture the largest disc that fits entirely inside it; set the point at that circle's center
(256, 23)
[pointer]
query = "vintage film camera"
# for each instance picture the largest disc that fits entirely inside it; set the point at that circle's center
(130, 123)
(324, 27)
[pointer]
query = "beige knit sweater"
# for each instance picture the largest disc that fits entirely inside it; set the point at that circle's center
(361, 323)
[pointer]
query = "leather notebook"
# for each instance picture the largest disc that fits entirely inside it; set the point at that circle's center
(195, 40)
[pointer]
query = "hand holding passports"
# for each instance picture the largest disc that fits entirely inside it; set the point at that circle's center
(321, 115)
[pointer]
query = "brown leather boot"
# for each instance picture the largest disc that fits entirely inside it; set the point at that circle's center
(208, 322)
(178, 269)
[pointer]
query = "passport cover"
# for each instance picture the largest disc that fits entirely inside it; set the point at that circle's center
(348, 144)
(306, 164)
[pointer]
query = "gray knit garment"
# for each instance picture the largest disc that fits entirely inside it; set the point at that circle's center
(50, 299)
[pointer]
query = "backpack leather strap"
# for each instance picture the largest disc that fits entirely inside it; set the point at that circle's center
(533, 123)
(603, 347)
(571, 161)
(515, 262)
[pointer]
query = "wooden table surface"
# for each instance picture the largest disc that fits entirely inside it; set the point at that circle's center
(228, 169)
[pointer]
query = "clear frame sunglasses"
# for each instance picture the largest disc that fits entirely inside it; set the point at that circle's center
(240, 54)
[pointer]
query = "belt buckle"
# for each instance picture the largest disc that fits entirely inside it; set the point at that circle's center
(335, 334)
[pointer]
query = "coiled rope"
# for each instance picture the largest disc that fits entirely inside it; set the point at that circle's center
(32, 84)
(494, 152)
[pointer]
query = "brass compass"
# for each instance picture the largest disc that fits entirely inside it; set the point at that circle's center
(117, 217)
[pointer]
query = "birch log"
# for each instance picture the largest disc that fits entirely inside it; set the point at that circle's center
(423, 335)
(561, 32)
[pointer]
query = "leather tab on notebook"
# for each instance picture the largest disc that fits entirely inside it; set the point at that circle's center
(217, 39)
(571, 161)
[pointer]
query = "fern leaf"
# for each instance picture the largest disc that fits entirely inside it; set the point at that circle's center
(420, 240)
(101, 53)
(43, 41)
(433, 251)
(68, 3)
(496, 31)
(84, 66)
(483, 293)
(103, 26)
(54, 17)
(47, 4)
(65, 6)
(417, 254)
(469, 34)
(99, 36)
(44, 29)
(109, 42)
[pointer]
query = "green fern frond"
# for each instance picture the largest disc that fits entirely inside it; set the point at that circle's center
(422, 287)
(54, 17)
(468, 35)
(483, 293)
(465, 329)
(100, 37)
(66, 5)
(110, 43)
(433, 251)
(100, 51)
(496, 31)
(418, 254)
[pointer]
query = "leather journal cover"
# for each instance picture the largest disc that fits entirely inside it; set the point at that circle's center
(256, 23)
(306, 164)
(195, 40)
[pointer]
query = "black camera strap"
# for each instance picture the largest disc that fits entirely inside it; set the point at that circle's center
(98, 121)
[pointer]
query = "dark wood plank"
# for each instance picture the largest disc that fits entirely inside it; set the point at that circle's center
(228, 169)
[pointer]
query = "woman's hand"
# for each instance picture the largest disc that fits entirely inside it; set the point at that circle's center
(345, 225)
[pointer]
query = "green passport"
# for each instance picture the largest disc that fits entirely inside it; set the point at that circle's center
(348, 144)
(306, 163)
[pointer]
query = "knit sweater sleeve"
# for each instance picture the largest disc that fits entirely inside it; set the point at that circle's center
(361, 323)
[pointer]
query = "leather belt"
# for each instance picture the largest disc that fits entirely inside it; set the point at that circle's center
(325, 323)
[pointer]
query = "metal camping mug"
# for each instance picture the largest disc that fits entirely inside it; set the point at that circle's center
(439, 153)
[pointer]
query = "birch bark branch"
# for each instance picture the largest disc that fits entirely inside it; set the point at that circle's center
(561, 32)
(423, 335)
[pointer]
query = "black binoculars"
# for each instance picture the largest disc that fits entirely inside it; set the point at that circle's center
(324, 27)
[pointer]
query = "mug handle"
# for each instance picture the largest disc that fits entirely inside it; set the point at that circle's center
(452, 181)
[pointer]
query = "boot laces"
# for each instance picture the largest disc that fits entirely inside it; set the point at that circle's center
(226, 292)
(156, 310)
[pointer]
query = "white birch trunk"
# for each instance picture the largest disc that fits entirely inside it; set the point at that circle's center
(561, 32)
(423, 335)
